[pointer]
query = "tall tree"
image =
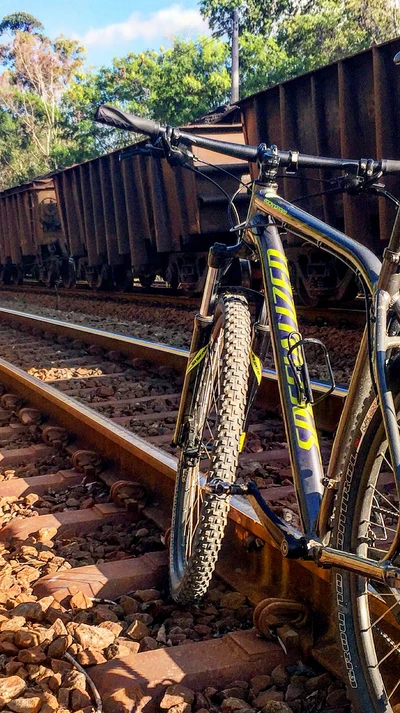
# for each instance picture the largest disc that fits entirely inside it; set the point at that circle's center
(333, 29)
(174, 85)
(309, 32)
(262, 62)
(37, 72)
(20, 21)
(258, 17)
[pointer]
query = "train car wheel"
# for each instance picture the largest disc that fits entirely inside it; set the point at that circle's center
(351, 291)
(19, 276)
(146, 280)
(123, 278)
(5, 277)
(50, 279)
(172, 275)
(303, 296)
(12, 275)
(98, 279)
(68, 274)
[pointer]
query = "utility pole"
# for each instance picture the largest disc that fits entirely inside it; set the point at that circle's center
(235, 58)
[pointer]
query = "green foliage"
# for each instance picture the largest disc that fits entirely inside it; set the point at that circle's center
(256, 16)
(20, 21)
(47, 102)
(37, 72)
(173, 85)
(304, 33)
(191, 78)
(333, 29)
(262, 63)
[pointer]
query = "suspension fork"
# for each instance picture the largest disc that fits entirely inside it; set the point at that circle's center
(219, 259)
(202, 327)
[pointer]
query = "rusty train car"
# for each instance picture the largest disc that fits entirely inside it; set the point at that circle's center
(30, 230)
(350, 108)
(109, 221)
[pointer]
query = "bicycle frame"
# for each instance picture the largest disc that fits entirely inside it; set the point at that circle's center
(382, 283)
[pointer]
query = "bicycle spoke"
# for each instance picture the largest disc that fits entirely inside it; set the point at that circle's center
(384, 658)
(192, 511)
(376, 524)
(377, 527)
(394, 689)
(379, 494)
(374, 623)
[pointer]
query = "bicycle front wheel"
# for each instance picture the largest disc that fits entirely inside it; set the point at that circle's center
(216, 423)
(368, 613)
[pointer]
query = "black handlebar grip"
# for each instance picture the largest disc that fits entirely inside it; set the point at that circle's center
(390, 166)
(112, 116)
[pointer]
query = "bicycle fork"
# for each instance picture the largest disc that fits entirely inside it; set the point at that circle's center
(219, 260)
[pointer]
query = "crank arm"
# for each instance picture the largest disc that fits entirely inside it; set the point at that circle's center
(296, 546)
(329, 557)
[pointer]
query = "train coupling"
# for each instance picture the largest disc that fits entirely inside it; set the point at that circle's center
(222, 488)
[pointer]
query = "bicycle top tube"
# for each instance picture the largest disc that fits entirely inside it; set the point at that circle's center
(112, 116)
(356, 255)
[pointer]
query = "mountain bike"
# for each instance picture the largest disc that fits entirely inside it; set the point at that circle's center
(350, 513)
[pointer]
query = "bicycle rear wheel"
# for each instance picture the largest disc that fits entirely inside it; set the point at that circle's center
(368, 613)
(199, 519)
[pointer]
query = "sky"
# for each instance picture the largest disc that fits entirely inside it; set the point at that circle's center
(112, 28)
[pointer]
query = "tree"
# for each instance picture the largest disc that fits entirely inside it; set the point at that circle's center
(258, 17)
(262, 63)
(192, 79)
(174, 85)
(20, 21)
(14, 151)
(307, 33)
(37, 72)
(333, 29)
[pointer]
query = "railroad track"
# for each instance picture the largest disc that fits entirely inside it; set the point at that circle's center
(351, 315)
(62, 367)
(137, 294)
(137, 476)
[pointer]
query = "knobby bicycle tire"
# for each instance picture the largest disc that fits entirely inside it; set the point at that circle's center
(368, 614)
(199, 520)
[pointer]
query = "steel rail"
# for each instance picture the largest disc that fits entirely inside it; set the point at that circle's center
(327, 412)
(352, 315)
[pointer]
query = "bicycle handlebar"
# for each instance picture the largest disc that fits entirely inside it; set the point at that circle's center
(120, 119)
(112, 116)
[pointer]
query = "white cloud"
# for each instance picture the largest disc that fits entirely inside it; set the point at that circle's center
(164, 23)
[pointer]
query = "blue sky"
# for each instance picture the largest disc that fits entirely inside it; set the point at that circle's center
(110, 28)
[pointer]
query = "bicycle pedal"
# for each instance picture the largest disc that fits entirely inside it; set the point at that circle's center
(223, 488)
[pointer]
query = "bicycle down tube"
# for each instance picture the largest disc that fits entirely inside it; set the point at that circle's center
(300, 426)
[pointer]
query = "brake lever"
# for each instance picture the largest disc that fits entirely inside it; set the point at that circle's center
(356, 184)
(177, 154)
(147, 150)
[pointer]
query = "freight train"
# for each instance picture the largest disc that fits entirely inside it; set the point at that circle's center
(350, 108)
(109, 221)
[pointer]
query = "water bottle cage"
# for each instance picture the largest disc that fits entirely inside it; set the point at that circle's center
(300, 369)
